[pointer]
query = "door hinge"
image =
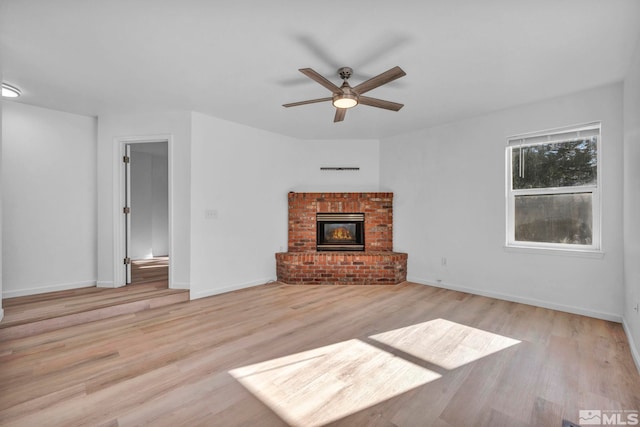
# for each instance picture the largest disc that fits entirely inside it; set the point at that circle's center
(126, 210)
(126, 159)
(127, 261)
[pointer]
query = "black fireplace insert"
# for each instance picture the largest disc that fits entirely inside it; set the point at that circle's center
(340, 231)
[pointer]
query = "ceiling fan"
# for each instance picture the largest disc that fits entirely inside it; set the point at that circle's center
(345, 96)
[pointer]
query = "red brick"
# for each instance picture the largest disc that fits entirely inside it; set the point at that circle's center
(377, 264)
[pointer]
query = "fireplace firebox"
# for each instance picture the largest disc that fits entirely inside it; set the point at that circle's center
(340, 231)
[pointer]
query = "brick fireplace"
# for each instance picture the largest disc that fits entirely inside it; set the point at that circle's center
(375, 263)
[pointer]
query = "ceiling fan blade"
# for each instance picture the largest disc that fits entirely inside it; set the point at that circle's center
(380, 103)
(379, 80)
(318, 78)
(311, 101)
(340, 112)
(314, 47)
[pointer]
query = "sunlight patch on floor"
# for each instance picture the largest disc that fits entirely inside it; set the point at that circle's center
(445, 343)
(325, 384)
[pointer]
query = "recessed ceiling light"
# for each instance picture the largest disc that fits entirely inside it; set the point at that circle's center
(9, 91)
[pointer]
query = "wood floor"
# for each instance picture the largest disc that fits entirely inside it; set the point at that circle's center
(34, 314)
(150, 270)
(406, 355)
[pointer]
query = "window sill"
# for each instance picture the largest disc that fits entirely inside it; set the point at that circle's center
(591, 253)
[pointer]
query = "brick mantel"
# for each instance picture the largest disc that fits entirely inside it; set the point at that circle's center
(377, 264)
(377, 209)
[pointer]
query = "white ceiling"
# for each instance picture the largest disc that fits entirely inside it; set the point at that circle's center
(238, 60)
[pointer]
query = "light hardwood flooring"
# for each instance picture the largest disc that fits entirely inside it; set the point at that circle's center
(151, 270)
(34, 314)
(405, 355)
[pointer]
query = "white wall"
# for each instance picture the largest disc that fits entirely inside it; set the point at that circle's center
(308, 156)
(49, 200)
(632, 203)
(242, 176)
(1, 115)
(149, 203)
(160, 206)
(449, 185)
(111, 127)
(141, 206)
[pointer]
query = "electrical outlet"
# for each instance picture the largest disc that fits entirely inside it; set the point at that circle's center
(211, 214)
(443, 261)
(636, 307)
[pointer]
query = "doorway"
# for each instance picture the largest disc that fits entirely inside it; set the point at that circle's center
(147, 213)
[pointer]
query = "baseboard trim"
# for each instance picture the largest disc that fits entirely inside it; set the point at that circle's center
(632, 344)
(180, 285)
(47, 288)
(105, 284)
(513, 298)
(231, 288)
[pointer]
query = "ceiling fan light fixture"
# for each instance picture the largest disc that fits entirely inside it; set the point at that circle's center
(345, 101)
(9, 91)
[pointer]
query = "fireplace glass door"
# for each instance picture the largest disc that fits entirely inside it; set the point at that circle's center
(340, 231)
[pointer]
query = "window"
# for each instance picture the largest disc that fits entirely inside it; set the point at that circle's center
(553, 198)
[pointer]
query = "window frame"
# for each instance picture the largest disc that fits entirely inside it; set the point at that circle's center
(547, 137)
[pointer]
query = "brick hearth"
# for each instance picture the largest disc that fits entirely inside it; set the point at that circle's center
(378, 264)
(342, 268)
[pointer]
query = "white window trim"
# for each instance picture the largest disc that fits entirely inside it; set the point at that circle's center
(580, 253)
(545, 137)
